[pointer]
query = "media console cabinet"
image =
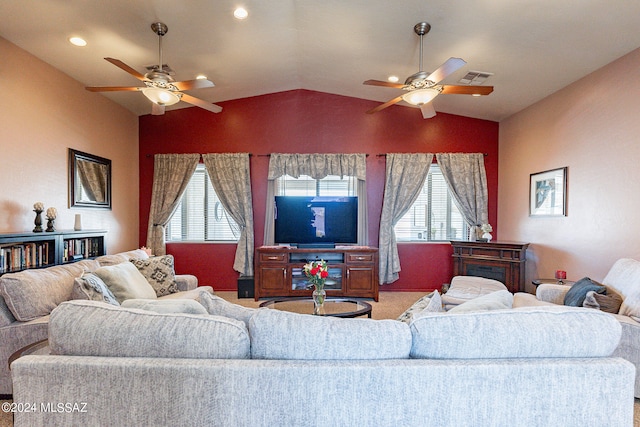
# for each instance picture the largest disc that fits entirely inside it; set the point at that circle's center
(353, 271)
(502, 261)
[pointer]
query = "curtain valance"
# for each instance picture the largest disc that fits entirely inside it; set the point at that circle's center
(318, 166)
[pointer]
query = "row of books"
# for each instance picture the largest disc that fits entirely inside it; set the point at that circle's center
(81, 248)
(18, 256)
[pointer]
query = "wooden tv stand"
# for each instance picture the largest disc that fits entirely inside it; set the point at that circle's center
(353, 271)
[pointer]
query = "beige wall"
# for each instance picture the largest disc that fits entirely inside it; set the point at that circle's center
(593, 128)
(44, 113)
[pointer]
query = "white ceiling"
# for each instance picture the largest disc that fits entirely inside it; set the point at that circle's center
(533, 47)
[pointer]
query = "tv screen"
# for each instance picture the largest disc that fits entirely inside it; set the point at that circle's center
(316, 220)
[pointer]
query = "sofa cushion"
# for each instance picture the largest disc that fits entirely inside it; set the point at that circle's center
(92, 328)
(465, 288)
(279, 334)
(91, 287)
(549, 331)
(30, 294)
(187, 306)
(106, 260)
(126, 282)
(578, 291)
(159, 272)
(217, 306)
(421, 304)
(499, 300)
(624, 278)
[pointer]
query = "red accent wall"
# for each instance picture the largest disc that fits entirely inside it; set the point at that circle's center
(302, 121)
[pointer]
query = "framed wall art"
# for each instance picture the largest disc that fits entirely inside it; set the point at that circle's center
(548, 193)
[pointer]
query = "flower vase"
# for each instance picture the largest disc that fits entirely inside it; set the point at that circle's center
(487, 236)
(319, 295)
(38, 222)
(50, 226)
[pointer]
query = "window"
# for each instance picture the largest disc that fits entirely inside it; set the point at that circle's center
(330, 185)
(434, 216)
(200, 215)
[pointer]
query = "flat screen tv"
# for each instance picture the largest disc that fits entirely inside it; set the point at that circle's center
(316, 221)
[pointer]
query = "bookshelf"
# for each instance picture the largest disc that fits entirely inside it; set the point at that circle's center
(21, 251)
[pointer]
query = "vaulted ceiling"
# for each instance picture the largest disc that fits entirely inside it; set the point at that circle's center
(532, 47)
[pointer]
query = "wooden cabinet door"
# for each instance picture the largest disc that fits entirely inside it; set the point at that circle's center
(273, 280)
(360, 280)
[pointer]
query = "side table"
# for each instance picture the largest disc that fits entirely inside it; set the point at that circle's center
(538, 282)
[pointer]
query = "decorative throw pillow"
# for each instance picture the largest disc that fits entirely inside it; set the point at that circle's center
(125, 282)
(500, 300)
(91, 287)
(609, 302)
(576, 294)
(416, 307)
(159, 273)
(434, 306)
(188, 306)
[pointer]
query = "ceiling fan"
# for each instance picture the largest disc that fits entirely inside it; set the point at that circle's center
(160, 88)
(422, 88)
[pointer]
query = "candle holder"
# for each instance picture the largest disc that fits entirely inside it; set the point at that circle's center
(38, 221)
(50, 225)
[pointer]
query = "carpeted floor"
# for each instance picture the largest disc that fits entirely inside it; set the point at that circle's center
(390, 306)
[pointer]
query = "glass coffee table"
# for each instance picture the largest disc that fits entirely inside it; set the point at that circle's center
(335, 307)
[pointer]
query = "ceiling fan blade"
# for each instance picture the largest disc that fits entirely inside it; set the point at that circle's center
(157, 110)
(193, 84)
(427, 110)
(385, 105)
(126, 68)
(112, 88)
(201, 103)
(383, 83)
(466, 90)
(451, 65)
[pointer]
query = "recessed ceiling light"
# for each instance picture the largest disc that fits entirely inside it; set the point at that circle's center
(393, 79)
(201, 77)
(240, 13)
(77, 41)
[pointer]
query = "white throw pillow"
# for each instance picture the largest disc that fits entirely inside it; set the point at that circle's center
(125, 282)
(434, 306)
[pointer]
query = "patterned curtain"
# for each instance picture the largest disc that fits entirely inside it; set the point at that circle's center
(318, 166)
(171, 175)
(466, 178)
(229, 173)
(405, 176)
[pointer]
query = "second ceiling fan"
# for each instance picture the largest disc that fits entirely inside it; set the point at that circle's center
(422, 88)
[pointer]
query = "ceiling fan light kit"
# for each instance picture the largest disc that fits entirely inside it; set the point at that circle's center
(160, 88)
(161, 96)
(421, 96)
(423, 87)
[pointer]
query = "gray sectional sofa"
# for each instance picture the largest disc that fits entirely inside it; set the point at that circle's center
(28, 297)
(537, 366)
(622, 282)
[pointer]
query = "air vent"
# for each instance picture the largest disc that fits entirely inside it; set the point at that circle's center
(165, 68)
(475, 78)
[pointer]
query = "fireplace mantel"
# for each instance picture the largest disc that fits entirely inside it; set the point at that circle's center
(502, 261)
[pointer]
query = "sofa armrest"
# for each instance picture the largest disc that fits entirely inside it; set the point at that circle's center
(550, 292)
(186, 282)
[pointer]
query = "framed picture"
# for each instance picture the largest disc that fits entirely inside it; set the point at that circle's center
(548, 193)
